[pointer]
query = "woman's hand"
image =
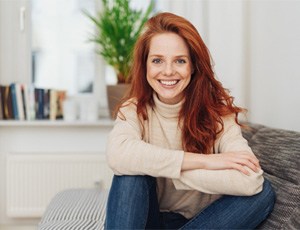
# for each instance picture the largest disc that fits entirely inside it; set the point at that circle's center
(229, 160)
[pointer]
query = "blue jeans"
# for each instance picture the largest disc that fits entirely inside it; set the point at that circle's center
(132, 204)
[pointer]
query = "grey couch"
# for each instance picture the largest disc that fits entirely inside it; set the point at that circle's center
(278, 152)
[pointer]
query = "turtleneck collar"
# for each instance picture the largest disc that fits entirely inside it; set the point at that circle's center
(167, 110)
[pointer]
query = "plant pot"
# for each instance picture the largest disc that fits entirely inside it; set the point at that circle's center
(114, 95)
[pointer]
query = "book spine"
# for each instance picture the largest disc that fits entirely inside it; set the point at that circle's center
(46, 104)
(14, 101)
(61, 96)
(20, 104)
(53, 104)
(31, 103)
(1, 105)
(24, 100)
(6, 102)
(39, 100)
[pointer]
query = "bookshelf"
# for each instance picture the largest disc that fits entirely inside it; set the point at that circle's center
(101, 123)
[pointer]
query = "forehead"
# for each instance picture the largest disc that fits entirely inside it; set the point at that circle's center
(168, 43)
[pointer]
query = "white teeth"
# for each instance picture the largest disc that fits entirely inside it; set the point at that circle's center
(168, 82)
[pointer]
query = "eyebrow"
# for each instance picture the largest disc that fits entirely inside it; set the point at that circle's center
(177, 56)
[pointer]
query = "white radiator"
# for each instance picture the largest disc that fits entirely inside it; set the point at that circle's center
(33, 179)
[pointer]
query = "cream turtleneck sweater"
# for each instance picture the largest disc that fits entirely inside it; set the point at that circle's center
(159, 154)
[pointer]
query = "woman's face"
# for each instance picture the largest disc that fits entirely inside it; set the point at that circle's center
(169, 67)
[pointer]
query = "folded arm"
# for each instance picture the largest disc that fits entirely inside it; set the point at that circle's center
(128, 154)
(234, 171)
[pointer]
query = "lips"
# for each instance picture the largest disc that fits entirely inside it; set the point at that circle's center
(169, 83)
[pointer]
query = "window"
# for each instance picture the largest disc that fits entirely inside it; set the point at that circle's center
(62, 56)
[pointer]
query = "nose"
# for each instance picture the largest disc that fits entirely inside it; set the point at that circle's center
(168, 69)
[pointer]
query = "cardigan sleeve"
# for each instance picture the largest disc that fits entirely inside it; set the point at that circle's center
(229, 181)
(128, 154)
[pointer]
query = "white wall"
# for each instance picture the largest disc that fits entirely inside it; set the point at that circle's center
(226, 42)
(14, 44)
(255, 46)
(274, 63)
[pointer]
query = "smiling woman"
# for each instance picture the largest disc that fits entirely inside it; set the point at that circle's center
(176, 147)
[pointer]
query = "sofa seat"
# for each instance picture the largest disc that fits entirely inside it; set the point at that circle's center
(75, 209)
(278, 151)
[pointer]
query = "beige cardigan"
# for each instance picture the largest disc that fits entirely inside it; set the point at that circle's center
(159, 154)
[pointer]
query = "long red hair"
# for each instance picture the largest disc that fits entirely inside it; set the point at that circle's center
(206, 99)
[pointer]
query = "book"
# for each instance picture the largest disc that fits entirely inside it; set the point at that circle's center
(13, 94)
(1, 107)
(46, 103)
(39, 103)
(19, 101)
(61, 96)
(30, 102)
(6, 102)
(24, 100)
(53, 104)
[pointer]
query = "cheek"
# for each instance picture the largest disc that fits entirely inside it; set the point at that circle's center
(151, 71)
(189, 80)
(186, 73)
(185, 70)
(149, 75)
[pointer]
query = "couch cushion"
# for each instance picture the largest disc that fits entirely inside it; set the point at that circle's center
(75, 209)
(278, 151)
(286, 205)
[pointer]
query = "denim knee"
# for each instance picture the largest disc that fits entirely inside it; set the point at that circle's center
(131, 184)
(129, 201)
(267, 196)
(268, 190)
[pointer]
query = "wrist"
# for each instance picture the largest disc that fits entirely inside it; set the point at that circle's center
(192, 161)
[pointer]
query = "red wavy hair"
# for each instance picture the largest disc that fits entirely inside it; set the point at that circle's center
(207, 100)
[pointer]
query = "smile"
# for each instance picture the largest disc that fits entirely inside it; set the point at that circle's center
(169, 83)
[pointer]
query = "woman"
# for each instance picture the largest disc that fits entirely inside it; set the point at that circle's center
(176, 148)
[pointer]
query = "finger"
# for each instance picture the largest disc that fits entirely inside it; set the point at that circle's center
(250, 165)
(255, 161)
(252, 158)
(241, 169)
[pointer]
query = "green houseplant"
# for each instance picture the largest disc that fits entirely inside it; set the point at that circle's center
(118, 27)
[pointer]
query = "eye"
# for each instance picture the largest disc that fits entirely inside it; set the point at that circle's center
(157, 60)
(180, 61)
